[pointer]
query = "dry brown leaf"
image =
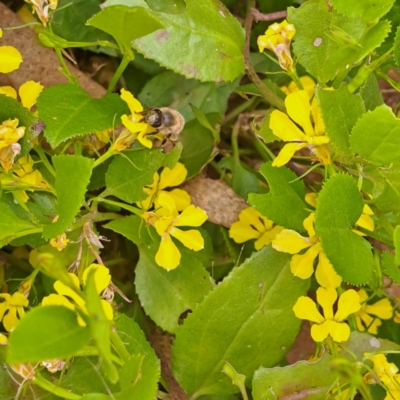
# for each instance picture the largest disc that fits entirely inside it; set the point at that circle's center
(39, 63)
(216, 198)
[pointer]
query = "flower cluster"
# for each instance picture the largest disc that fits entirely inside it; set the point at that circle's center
(166, 219)
(385, 373)
(277, 38)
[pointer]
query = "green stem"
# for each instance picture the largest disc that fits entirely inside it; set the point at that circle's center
(119, 346)
(50, 387)
(133, 210)
(263, 150)
(221, 172)
(124, 63)
(95, 217)
(44, 159)
(239, 109)
(65, 70)
(27, 232)
(109, 153)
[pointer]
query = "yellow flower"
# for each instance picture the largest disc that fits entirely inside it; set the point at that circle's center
(253, 225)
(381, 309)
(134, 128)
(277, 38)
(168, 178)
(328, 324)
(102, 279)
(3, 340)
(302, 265)
(13, 305)
(10, 59)
(166, 220)
(42, 8)
(308, 86)
(60, 242)
(10, 133)
(313, 134)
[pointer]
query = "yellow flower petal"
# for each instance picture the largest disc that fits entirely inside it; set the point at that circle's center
(308, 224)
(368, 321)
(287, 152)
(253, 218)
(284, 128)
(325, 273)
(166, 201)
(10, 59)
(102, 277)
(57, 300)
(143, 139)
(366, 222)
(168, 255)
(10, 321)
(3, 340)
(172, 177)
(308, 85)
(288, 241)
(326, 297)
(181, 197)
(241, 232)
(191, 216)
(305, 308)
(65, 290)
(267, 237)
(191, 239)
(340, 332)
(135, 106)
(29, 92)
(320, 332)
(382, 309)
(302, 265)
(367, 210)
(311, 199)
(163, 224)
(107, 308)
(8, 91)
(299, 109)
(322, 153)
(349, 303)
(319, 126)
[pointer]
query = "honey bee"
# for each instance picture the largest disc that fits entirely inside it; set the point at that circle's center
(167, 121)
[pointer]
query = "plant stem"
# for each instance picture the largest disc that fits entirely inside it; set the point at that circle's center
(44, 159)
(119, 346)
(50, 387)
(133, 210)
(124, 63)
(267, 93)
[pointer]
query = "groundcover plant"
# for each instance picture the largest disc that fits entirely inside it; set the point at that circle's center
(199, 199)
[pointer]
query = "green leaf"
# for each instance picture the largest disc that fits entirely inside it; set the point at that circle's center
(376, 136)
(390, 266)
(125, 24)
(198, 146)
(72, 177)
(316, 377)
(219, 58)
(67, 19)
(371, 93)
(340, 111)
(247, 321)
(135, 342)
(285, 194)
(95, 396)
(167, 6)
(45, 333)
(164, 295)
(342, 41)
(396, 240)
(68, 111)
(128, 174)
(172, 90)
(10, 224)
(11, 108)
(263, 130)
(366, 10)
(340, 204)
